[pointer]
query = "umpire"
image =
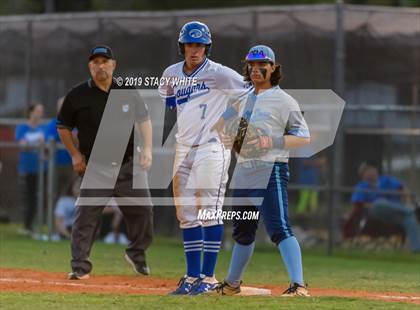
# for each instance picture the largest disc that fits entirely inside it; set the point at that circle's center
(83, 109)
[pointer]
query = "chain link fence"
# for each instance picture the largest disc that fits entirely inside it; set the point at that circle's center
(43, 56)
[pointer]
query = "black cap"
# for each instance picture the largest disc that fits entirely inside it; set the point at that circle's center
(101, 50)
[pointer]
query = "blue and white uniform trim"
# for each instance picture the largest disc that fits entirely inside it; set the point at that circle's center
(198, 69)
(192, 246)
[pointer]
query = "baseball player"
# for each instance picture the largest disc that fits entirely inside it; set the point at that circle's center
(282, 127)
(202, 161)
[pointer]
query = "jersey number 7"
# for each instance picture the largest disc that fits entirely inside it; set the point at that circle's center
(204, 107)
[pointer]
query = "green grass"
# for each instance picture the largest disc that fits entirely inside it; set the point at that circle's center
(347, 269)
(93, 301)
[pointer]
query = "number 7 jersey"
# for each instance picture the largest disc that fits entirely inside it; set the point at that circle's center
(201, 98)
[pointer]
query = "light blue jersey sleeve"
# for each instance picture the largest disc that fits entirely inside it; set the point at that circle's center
(296, 124)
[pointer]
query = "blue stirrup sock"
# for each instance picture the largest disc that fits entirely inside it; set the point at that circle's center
(212, 240)
(290, 251)
(193, 245)
(241, 255)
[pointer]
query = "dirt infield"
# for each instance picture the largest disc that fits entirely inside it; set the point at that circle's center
(24, 280)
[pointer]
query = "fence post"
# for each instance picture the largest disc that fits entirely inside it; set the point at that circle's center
(336, 154)
(174, 43)
(28, 63)
(40, 205)
(51, 185)
(254, 28)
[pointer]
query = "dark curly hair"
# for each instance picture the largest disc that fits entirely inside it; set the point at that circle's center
(275, 79)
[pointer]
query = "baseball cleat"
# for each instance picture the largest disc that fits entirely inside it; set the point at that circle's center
(296, 289)
(185, 286)
(226, 289)
(77, 276)
(138, 268)
(204, 287)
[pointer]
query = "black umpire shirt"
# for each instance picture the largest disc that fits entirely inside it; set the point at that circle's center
(83, 108)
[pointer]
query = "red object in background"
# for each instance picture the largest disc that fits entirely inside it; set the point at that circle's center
(7, 133)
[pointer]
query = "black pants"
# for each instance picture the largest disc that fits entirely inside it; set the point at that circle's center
(138, 219)
(29, 190)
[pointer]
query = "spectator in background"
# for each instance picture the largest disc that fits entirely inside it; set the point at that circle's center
(65, 210)
(30, 136)
(388, 208)
(310, 170)
(64, 170)
(111, 228)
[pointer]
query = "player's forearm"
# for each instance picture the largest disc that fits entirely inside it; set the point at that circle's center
(293, 142)
(231, 112)
(24, 145)
(146, 133)
(66, 138)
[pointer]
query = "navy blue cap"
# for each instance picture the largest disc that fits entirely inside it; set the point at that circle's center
(101, 50)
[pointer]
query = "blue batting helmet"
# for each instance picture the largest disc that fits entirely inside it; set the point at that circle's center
(195, 32)
(261, 53)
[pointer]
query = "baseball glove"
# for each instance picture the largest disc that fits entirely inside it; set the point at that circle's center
(248, 140)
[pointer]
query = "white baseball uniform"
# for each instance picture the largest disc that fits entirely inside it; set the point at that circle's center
(201, 162)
